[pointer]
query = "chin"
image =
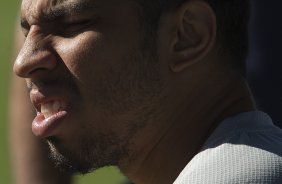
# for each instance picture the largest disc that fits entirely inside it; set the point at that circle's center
(65, 161)
(87, 153)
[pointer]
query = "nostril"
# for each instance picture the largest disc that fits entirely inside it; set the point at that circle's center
(37, 70)
(27, 65)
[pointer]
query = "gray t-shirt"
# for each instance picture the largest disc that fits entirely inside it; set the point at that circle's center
(244, 149)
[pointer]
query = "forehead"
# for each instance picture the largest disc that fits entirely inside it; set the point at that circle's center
(38, 8)
(43, 5)
(52, 9)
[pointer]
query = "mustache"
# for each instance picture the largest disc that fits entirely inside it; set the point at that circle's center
(67, 83)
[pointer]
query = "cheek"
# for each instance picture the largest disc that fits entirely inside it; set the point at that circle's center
(95, 62)
(84, 54)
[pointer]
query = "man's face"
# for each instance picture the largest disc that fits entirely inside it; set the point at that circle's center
(93, 79)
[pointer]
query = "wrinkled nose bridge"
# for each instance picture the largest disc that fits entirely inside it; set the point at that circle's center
(35, 56)
(35, 41)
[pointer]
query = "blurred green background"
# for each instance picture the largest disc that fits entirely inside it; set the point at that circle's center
(8, 14)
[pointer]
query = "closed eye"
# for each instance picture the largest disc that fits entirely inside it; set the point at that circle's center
(73, 28)
(25, 27)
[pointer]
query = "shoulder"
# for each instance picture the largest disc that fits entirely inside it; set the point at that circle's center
(248, 152)
(230, 164)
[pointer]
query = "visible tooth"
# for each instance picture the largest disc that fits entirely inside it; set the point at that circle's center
(46, 107)
(51, 108)
(47, 115)
(56, 106)
(47, 110)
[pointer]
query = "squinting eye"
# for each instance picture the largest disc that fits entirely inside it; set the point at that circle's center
(25, 27)
(77, 25)
(73, 28)
(80, 22)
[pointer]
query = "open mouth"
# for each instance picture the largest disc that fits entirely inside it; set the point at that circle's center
(49, 116)
(51, 108)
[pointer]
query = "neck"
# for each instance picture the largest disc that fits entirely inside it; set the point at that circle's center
(174, 143)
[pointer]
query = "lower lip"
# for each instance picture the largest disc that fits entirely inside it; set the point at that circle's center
(42, 127)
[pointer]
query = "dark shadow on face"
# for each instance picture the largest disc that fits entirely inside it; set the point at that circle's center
(110, 76)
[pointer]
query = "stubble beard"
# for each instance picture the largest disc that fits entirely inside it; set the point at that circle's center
(93, 153)
(137, 91)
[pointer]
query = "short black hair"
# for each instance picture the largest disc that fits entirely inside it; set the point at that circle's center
(232, 24)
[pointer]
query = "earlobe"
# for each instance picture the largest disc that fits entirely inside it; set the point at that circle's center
(196, 34)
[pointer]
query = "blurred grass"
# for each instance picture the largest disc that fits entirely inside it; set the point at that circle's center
(8, 13)
(7, 21)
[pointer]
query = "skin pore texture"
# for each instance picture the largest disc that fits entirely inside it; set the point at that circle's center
(105, 109)
(142, 102)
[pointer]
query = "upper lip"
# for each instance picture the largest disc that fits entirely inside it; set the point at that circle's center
(42, 96)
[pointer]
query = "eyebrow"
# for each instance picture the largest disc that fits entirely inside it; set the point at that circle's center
(62, 11)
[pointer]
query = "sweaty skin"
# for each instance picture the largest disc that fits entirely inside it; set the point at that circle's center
(143, 102)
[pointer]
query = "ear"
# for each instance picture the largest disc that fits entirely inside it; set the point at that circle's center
(195, 36)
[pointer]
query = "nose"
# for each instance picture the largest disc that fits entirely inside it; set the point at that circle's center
(36, 56)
